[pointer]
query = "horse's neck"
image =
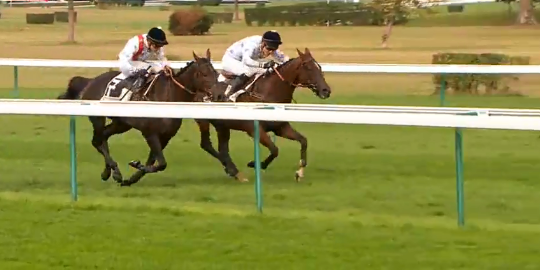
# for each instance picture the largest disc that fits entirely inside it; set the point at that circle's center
(169, 91)
(275, 90)
(180, 94)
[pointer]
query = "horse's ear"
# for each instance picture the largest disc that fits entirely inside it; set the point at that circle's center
(299, 52)
(208, 54)
(306, 51)
(195, 56)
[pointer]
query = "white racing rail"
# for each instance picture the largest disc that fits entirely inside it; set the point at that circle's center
(374, 115)
(326, 67)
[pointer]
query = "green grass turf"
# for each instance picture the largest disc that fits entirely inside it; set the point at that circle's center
(374, 197)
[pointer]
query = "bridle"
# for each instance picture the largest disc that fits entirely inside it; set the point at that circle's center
(310, 85)
(169, 72)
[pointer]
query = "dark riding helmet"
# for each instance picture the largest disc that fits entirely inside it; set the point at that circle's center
(272, 40)
(157, 36)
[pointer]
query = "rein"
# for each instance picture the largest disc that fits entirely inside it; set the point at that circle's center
(170, 73)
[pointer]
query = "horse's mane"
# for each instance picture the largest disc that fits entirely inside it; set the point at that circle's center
(270, 71)
(182, 70)
(290, 60)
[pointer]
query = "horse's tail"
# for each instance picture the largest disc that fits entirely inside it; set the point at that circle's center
(75, 86)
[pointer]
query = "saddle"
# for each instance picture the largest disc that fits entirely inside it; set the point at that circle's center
(118, 88)
(226, 77)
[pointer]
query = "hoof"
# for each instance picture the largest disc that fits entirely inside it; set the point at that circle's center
(297, 177)
(241, 178)
(299, 174)
(251, 164)
(117, 176)
(135, 164)
(105, 175)
(125, 184)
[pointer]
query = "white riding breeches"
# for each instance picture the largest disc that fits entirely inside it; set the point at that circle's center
(138, 65)
(238, 68)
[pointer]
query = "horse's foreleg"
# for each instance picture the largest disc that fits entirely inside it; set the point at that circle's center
(288, 132)
(156, 144)
(265, 140)
(224, 136)
(206, 142)
(99, 141)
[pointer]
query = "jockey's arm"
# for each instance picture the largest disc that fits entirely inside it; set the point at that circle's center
(124, 57)
(247, 57)
(280, 56)
(162, 58)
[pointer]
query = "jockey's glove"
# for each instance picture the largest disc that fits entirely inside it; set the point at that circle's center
(268, 64)
(142, 72)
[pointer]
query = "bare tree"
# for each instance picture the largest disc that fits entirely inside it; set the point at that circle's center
(526, 11)
(391, 9)
(71, 20)
(236, 12)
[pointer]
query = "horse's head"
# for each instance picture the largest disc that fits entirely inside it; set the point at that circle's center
(311, 75)
(203, 77)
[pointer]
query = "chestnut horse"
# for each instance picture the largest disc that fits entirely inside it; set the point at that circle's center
(275, 86)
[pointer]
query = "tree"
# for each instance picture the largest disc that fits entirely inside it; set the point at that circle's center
(391, 9)
(71, 21)
(526, 11)
(236, 12)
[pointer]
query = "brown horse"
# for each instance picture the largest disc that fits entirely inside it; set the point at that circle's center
(276, 86)
(191, 83)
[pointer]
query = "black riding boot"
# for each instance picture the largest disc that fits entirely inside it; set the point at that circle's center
(236, 83)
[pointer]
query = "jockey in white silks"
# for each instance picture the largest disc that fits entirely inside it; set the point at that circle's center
(142, 48)
(247, 57)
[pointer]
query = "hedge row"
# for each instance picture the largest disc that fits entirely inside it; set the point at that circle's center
(223, 17)
(197, 3)
(133, 3)
(472, 83)
(48, 18)
(319, 13)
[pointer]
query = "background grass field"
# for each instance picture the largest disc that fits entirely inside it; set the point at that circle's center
(375, 197)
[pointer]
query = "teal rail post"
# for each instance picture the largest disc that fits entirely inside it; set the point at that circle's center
(442, 91)
(15, 92)
(257, 159)
(73, 157)
(459, 178)
(460, 193)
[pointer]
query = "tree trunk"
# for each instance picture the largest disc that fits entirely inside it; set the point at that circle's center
(236, 12)
(526, 13)
(387, 32)
(71, 21)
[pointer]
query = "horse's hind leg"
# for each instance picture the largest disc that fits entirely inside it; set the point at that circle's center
(288, 132)
(265, 140)
(116, 127)
(99, 142)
